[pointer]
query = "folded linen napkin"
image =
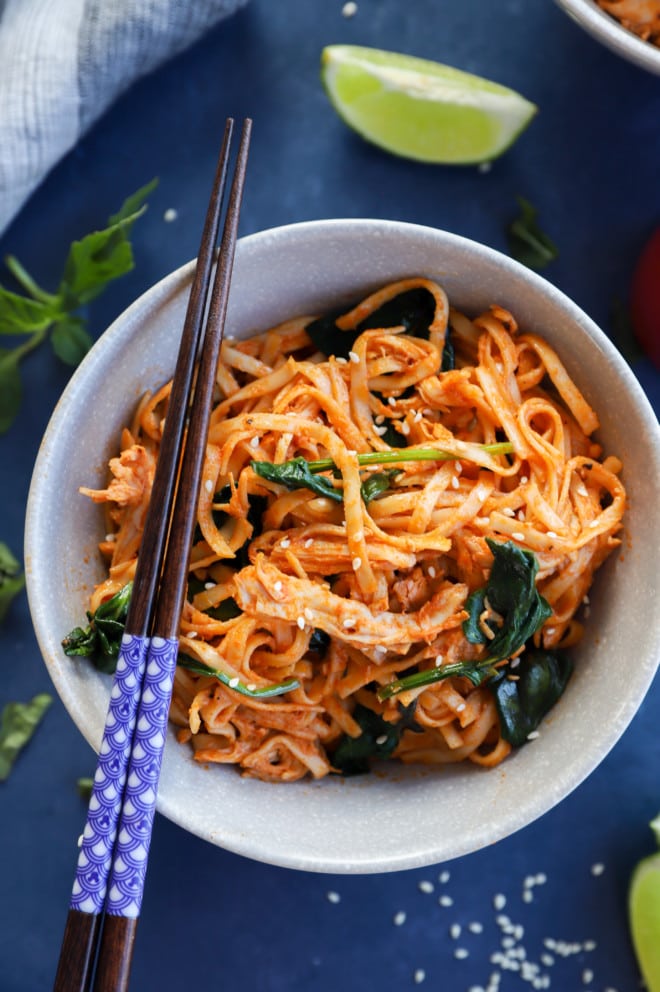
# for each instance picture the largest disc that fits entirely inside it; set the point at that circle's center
(63, 62)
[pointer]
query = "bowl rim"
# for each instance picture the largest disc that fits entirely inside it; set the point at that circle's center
(606, 29)
(175, 282)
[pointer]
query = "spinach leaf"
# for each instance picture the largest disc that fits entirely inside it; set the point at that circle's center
(12, 579)
(263, 692)
(101, 640)
(511, 591)
(319, 642)
(226, 610)
(296, 474)
(413, 309)
(476, 671)
(18, 724)
(448, 356)
(522, 704)
(377, 741)
(527, 242)
(377, 484)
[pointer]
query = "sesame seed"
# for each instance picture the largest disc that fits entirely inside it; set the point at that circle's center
(517, 536)
(444, 877)
(333, 897)
(208, 485)
(418, 416)
(348, 623)
(209, 585)
(308, 613)
(528, 896)
(590, 945)
(301, 622)
(251, 686)
(380, 431)
(552, 533)
(484, 167)
(533, 735)
(234, 682)
(446, 901)
(514, 663)
(594, 523)
(192, 634)
(405, 428)
(391, 401)
(461, 707)
(476, 988)
(585, 600)
(461, 953)
(432, 571)
(587, 976)
(547, 960)
(454, 482)
(111, 537)
(541, 878)
(349, 9)
(598, 868)
(277, 586)
(521, 515)
(341, 361)
(524, 480)
(499, 901)
(170, 215)
(419, 976)
(357, 564)
(309, 542)
(379, 649)
(425, 886)
(382, 739)
(399, 918)
(439, 660)
(509, 511)
(255, 441)
(285, 543)
(455, 931)
(475, 927)
(355, 358)
(380, 419)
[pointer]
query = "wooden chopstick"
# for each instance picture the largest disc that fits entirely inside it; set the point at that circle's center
(100, 931)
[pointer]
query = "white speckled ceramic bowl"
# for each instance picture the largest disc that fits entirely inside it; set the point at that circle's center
(611, 33)
(402, 817)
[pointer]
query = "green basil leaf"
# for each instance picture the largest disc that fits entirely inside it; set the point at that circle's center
(527, 242)
(379, 738)
(132, 207)
(70, 341)
(21, 315)
(12, 580)
(522, 703)
(18, 724)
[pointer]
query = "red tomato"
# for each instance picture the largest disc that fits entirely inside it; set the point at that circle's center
(645, 298)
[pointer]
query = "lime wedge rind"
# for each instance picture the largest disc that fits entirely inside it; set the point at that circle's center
(644, 915)
(420, 109)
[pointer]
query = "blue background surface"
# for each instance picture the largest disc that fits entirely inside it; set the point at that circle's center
(590, 162)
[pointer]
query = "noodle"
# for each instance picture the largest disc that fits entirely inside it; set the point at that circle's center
(642, 17)
(327, 619)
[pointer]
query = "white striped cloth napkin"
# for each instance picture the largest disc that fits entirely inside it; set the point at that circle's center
(63, 62)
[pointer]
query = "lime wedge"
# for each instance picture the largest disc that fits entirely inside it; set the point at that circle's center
(644, 915)
(420, 109)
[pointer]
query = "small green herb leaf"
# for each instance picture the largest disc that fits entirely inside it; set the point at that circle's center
(261, 692)
(527, 242)
(92, 263)
(476, 672)
(132, 207)
(22, 315)
(84, 786)
(296, 474)
(379, 738)
(101, 640)
(18, 724)
(12, 579)
(377, 484)
(522, 703)
(511, 591)
(70, 341)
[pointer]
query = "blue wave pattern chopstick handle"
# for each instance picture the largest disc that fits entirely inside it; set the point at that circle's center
(126, 882)
(89, 886)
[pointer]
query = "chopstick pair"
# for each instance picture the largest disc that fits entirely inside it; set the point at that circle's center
(98, 940)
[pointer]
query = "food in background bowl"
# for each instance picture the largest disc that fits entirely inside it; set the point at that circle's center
(631, 28)
(405, 815)
(381, 487)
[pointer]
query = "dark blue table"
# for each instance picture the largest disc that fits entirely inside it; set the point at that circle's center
(590, 162)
